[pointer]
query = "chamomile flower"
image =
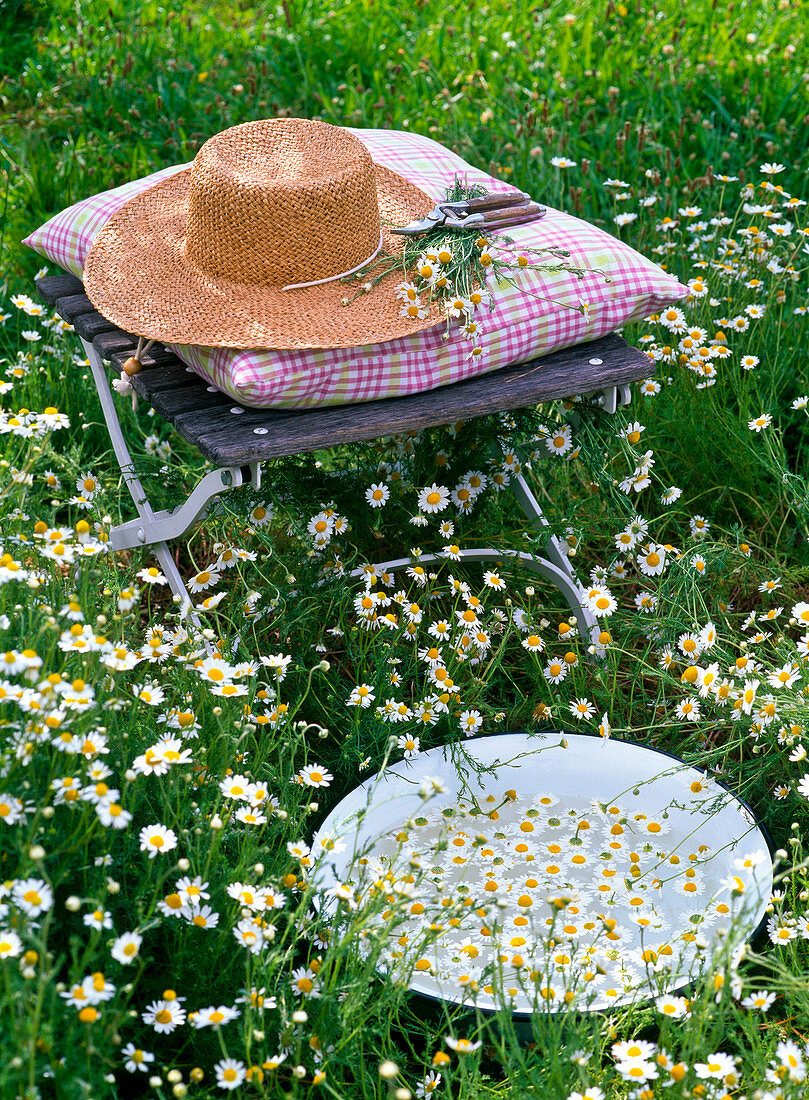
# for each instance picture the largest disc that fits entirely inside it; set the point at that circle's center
(361, 696)
(409, 746)
(151, 575)
(581, 709)
(759, 423)
(136, 1058)
(462, 1046)
(470, 721)
(126, 948)
(230, 1073)
(33, 895)
(560, 440)
(652, 560)
(212, 1016)
(555, 670)
(434, 498)
(164, 1015)
(314, 775)
(157, 839)
(377, 495)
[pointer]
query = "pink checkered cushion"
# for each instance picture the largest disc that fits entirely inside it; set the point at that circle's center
(521, 327)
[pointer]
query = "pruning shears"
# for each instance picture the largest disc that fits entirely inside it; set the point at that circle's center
(491, 211)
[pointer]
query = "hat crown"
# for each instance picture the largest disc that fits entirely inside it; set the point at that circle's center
(281, 201)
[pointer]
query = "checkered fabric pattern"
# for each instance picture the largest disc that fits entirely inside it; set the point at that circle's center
(530, 320)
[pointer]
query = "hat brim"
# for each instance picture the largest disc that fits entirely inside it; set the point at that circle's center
(138, 276)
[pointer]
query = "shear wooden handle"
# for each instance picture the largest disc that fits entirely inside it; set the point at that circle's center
(496, 202)
(515, 215)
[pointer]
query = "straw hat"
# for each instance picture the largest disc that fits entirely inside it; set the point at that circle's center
(215, 254)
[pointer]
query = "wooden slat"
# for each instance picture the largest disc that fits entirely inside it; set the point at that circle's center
(51, 287)
(225, 432)
(108, 343)
(73, 306)
(90, 325)
(156, 356)
(181, 401)
(563, 374)
(173, 376)
(220, 420)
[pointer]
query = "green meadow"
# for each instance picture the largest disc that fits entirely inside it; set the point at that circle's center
(164, 926)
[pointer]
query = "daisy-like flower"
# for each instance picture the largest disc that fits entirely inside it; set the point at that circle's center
(377, 495)
(229, 1073)
(459, 307)
(202, 916)
(718, 1066)
(409, 746)
(152, 694)
(434, 498)
(314, 775)
(494, 580)
(761, 1001)
(533, 643)
(470, 722)
(164, 1015)
(156, 839)
(151, 575)
(674, 1007)
(261, 515)
(10, 944)
(785, 676)
(770, 585)
(413, 310)
(204, 579)
(581, 709)
(136, 1059)
(304, 982)
(560, 440)
(212, 1016)
(126, 948)
(600, 601)
(407, 292)
(278, 663)
(759, 423)
(555, 670)
(112, 815)
(33, 895)
(88, 485)
(462, 1046)
(361, 696)
(637, 1071)
(688, 710)
(98, 919)
(652, 560)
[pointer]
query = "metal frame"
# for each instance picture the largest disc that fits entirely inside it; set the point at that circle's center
(156, 529)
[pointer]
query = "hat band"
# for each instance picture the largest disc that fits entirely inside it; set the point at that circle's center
(342, 275)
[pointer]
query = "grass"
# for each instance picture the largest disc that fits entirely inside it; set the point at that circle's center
(100, 668)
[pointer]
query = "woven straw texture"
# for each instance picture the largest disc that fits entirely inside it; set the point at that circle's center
(204, 256)
(524, 324)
